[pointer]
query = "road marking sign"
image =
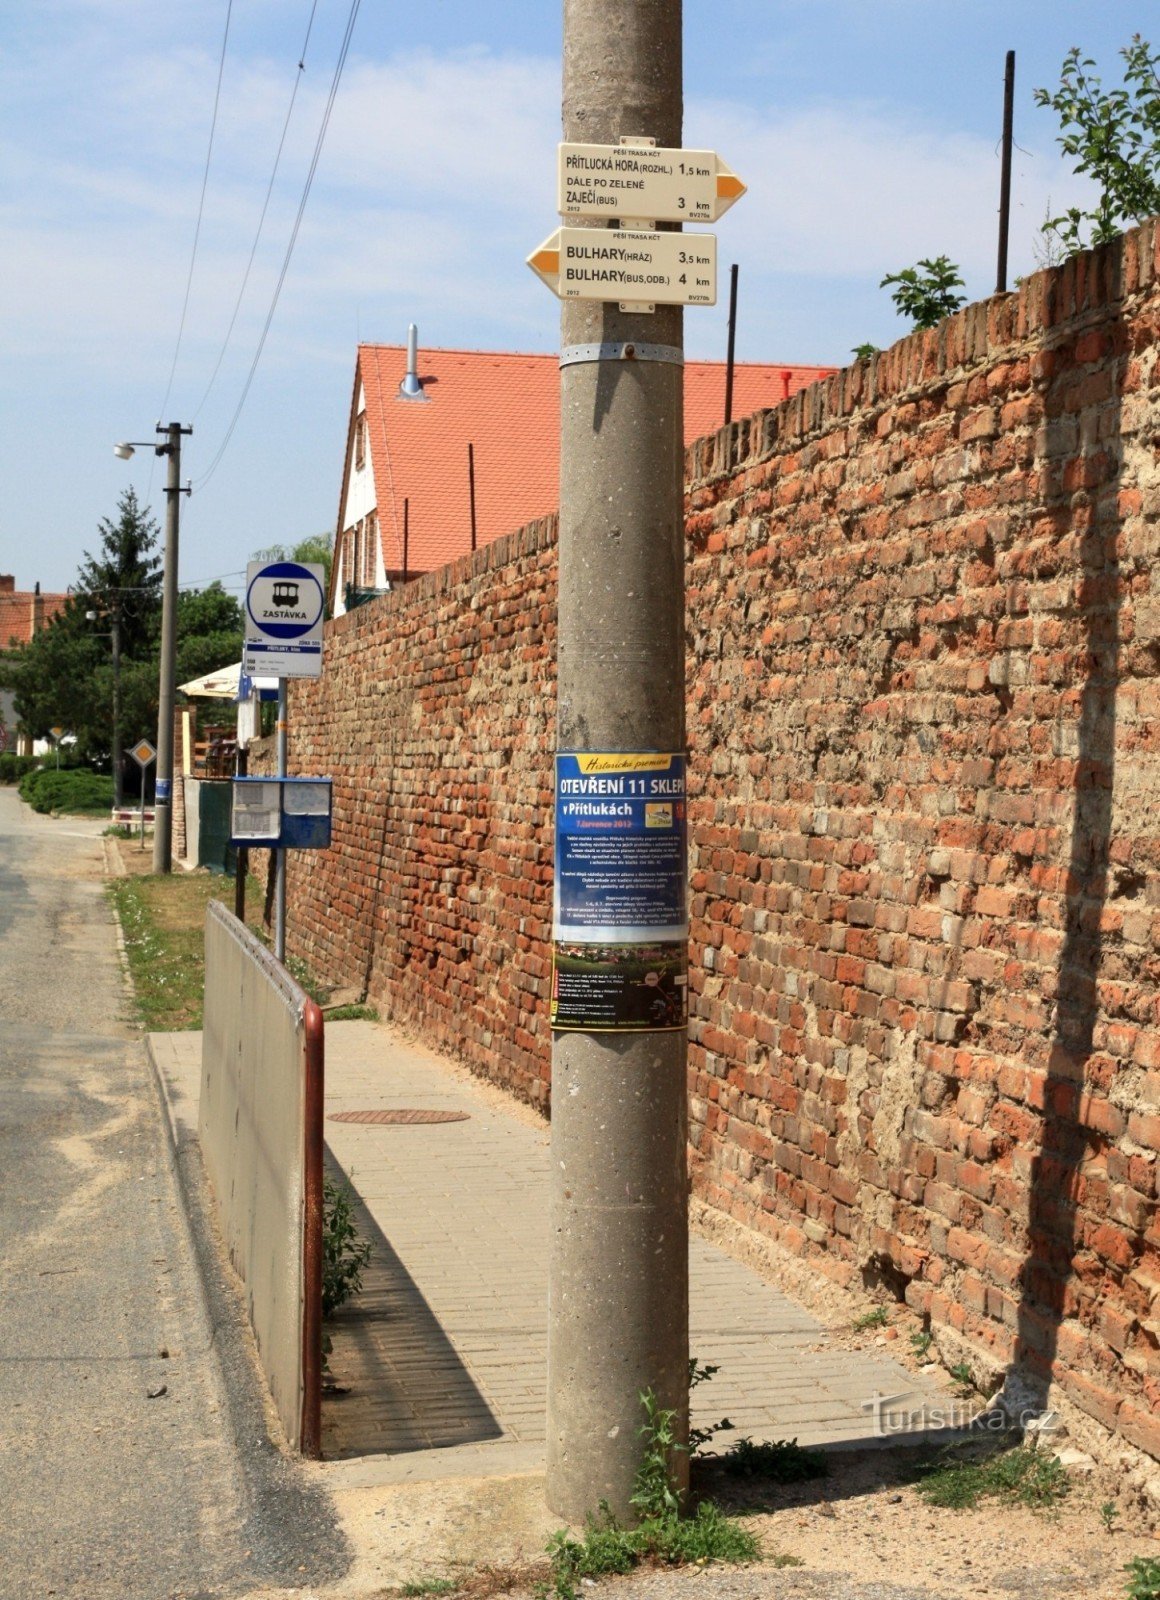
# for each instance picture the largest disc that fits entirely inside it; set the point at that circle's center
(143, 753)
(284, 605)
(623, 264)
(638, 180)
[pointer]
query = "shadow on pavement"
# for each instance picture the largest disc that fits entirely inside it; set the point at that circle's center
(408, 1388)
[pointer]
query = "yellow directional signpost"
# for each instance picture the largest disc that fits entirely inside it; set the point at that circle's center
(639, 180)
(675, 269)
(637, 184)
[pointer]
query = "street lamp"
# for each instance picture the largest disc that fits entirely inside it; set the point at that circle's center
(162, 809)
(114, 635)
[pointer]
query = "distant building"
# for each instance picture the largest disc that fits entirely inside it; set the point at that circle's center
(406, 502)
(23, 612)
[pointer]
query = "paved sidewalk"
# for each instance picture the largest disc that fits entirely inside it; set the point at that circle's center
(445, 1349)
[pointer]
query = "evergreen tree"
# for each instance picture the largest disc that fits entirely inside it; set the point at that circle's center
(64, 676)
(125, 576)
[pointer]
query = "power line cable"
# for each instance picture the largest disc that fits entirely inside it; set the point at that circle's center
(204, 583)
(200, 204)
(262, 217)
(213, 466)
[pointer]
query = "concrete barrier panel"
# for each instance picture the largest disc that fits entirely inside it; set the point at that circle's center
(261, 1139)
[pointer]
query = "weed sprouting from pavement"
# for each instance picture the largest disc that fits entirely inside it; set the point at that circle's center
(664, 1534)
(344, 1253)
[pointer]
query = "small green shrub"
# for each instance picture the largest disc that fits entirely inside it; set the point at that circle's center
(778, 1461)
(878, 1318)
(920, 1343)
(1113, 138)
(344, 1254)
(927, 292)
(1143, 1578)
(14, 767)
(72, 790)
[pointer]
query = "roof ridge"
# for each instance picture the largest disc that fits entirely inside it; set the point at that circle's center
(553, 355)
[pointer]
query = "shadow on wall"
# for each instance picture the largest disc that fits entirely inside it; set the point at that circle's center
(1084, 1228)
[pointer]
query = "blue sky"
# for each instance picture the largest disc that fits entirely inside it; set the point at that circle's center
(867, 134)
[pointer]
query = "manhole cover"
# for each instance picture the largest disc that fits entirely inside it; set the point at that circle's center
(395, 1118)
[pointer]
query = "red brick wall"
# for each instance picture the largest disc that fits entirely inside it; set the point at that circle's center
(925, 812)
(435, 718)
(926, 825)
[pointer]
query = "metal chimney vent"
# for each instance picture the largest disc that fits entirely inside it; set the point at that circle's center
(411, 388)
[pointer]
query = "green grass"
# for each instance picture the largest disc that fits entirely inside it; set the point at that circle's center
(878, 1318)
(958, 1480)
(422, 1586)
(163, 923)
(319, 992)
(669, 1539)
(351, 1014)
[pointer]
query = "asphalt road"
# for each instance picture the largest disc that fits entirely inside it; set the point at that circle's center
(134, 1456)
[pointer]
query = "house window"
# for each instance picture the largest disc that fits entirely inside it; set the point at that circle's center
(370, 549)
(360, 441)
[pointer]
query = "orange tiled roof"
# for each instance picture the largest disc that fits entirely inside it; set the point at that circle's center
(508, 407)
(17, 612)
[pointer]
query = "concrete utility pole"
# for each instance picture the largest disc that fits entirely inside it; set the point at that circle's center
(619, 1270)
(163, 803)
(118, 754)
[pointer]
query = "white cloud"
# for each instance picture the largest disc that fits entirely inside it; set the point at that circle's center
(849, 192)
(435, 182)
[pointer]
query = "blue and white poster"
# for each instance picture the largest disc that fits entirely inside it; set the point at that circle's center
(620, 914)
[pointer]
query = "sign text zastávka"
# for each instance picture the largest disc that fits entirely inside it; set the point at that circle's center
(620, 920)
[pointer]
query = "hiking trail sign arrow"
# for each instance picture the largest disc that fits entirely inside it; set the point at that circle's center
(639, 180)
(622, 264)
